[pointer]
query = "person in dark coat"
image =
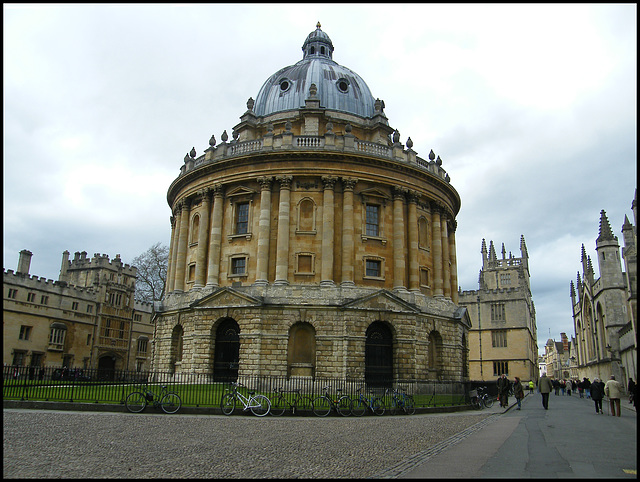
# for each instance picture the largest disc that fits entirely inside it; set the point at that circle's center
(597, 394)
(518, 391)
(544, 387)
(587, 387)
(631, 389)
(503, 390)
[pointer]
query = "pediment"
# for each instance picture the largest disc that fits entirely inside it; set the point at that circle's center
(226, 297)
(462, 314)
(240, 191)
(374, 193)
(382, 300)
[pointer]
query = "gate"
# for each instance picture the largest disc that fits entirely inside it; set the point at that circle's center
(378, 355)
(227, 352)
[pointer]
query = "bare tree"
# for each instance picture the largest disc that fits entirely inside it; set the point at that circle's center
(152, 273)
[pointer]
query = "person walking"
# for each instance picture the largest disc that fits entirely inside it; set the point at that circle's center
(556, 385)
(631, 389)
(531, 387)
(587, 387)
(518, 391)
(503, 390)
(613, 390)
(597, 394)
(580, 388)
(568, 386)
(563, 386)
(544, 387)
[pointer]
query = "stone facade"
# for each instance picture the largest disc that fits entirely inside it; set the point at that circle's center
(605, 308)
(503, 318)
(309, 235)
(86, 319)
(560, 359)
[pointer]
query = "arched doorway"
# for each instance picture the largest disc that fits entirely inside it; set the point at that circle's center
(106, 367)
(301, 356)
(227, 352)
(378, 355)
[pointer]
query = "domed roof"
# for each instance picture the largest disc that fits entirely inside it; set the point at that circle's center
(338, 87)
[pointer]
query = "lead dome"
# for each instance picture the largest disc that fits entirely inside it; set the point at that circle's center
(338, 88)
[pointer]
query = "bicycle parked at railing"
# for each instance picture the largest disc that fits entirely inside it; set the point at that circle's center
(291, 400)
(323, 404)
(258, 404)
(360, 405)
(169, 402)
(401, 401)
(480, 398)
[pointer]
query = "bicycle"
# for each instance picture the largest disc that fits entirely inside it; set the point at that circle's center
(480, 398)
(258, 404)
(360, 405)
(323, 404)
(170, 402)
(400, 400)
(280, 402)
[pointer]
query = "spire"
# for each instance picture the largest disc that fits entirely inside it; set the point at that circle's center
(492, 252)
(483, 250)
(605, 228)
(503, 251)
(523, 247)
(573, 291)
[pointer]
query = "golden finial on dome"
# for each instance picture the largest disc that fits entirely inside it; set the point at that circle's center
(318, 24)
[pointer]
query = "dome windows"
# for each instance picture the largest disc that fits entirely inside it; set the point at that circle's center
(285, 85)
(343, 85)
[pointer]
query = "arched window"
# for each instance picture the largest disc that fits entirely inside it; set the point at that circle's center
(423, 233)
(302, 350)
(435, 346)
(378, 355)
(176, 346)
(226, 356)
(195, 228)
(306, 216)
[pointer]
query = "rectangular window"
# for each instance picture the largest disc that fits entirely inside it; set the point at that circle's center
(242, 218)
(305, 263)
(424, 277)
(192, 273)
(498, 312)
(142, 345)
(25, 332)
(500, 367)
(373, 268)
(238, 266)
(44, 300)
(499, 338)
(137, 317)
(505, 279)
(372, 220)
(36, 359)
(88, 340)
(31, 297)
(56, 338)
(89, 308)
(12, 293)
(74, 305)
(18, 358)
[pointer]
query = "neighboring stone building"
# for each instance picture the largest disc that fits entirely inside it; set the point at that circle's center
(313, 243)
(605, 308)
(560, 360)
(87, 319)
(503, 318)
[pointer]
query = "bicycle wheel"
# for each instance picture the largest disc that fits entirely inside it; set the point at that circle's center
(344, 405)
(228, 403)
(135, 402)
(263, 408)
(321, 406)
(278, 406)
(396, 406)
(170, 403)
(488, 401)
(476, 403)
(409, 405)
(358, 408)
(377, 404)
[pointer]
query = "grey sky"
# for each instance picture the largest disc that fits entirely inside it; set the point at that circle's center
(532, 109)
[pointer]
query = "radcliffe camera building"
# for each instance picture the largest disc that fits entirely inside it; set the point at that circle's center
(503, 337)
(313, 242)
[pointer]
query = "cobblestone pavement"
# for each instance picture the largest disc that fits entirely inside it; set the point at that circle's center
(61, 444)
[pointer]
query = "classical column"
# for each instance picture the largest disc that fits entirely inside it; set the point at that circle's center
(414, 267)
(182, 246)
(446, 270)
(216, 237)
(437, 251)
(264, 231)
(326, 278)
(399, 265)
(171, 265)
(201, 255)
(282, 249)
(347, 232)
(454, 262)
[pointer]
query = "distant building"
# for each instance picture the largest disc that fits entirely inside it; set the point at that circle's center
(87, 319)
(560, 360)
(605, 308)
(503, 331)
